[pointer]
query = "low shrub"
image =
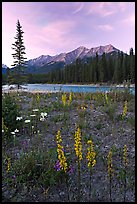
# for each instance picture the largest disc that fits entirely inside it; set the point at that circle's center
(10, 111)
(37, 166)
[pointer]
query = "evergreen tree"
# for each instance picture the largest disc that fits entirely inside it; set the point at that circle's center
(78, 70)
(132, 65)
(18, 56)
(94, 74)
(103, 68)
(110, 66)
(117, 77)
(125, 68)
(96, 67)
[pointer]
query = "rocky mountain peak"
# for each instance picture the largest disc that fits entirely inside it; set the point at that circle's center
(69, 57)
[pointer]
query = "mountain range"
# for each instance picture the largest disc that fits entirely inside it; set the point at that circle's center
(47, 63)
(4, 68)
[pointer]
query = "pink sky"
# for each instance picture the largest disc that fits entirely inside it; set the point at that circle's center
(51, 28)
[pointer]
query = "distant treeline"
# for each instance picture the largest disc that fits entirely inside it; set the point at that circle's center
(105, 69)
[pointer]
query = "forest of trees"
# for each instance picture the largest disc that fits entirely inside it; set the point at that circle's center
(105, 69)
(112, 69)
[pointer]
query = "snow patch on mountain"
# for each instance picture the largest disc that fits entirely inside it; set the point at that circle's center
(4, 66)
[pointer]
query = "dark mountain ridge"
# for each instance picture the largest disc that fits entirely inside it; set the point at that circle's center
(47, 63)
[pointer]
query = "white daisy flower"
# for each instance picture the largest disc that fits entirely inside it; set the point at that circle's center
(43, 114)
(13, 133)
(27, 121)
(16, 130)
(19, 118)
(35, 110)
(42, 119)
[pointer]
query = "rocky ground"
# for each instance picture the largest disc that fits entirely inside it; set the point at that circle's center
(98, 121)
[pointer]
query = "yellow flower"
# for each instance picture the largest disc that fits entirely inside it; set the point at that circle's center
(4, 128)
(8, 164)
(60, 151)
(58, 137)
(38, 98)
(110, 166)
(106, 97)
(78, 144)
(83, 107)
(125, 155)
(91, 154)
(64, 97)
(124, 109)
(93, 163)
(70, 98)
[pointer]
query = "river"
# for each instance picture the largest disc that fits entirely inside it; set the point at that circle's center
(69, 88)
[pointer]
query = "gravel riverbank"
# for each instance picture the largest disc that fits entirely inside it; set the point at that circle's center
(98, 121)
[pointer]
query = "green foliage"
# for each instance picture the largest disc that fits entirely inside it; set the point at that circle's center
(132, 65)
(59, 118)
(110, 109)
(82, 124)
(99, 99)
(4, 79)
(98, 125)
(122, 96)
(131, 105)
(82, 113)
(10, 110)
(52, 177)
(131, 121)
(38, 165)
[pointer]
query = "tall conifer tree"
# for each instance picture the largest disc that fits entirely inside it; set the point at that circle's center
(19, 59)
(132, 65)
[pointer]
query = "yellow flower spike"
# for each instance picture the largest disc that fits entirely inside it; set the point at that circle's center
(78, 144)
(4, 128)
(64, 98)
(93, 163)
(110, 165)
(106, 97)
(38, 98)
(91, 154)
(61, 156)
(89, 142)
(58, 137)
(8, 165)
(124, 110)
(125, 155)
(70, 98)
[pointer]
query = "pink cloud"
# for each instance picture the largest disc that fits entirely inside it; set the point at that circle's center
(56, 35)
(79, 7)
(105, 8)
(55, 27)
(130, 20)
(105, 27)
(122, 6)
